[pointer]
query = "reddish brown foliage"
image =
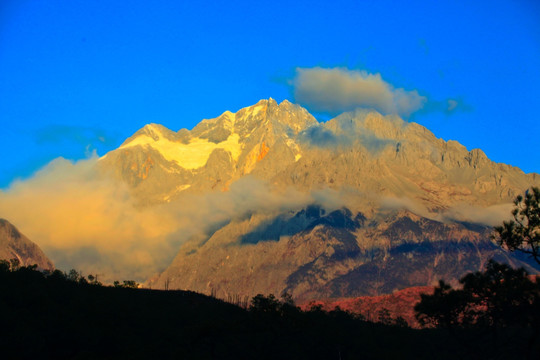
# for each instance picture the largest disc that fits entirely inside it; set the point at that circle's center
(400, 303)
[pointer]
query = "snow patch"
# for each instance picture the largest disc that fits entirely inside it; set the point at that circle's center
(294, 146)
(189, 156)
(182, 187)
(170, 170)
(179, 188)
(256, 109)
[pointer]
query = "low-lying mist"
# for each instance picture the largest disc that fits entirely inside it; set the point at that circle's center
(90, 223)
(84, 221)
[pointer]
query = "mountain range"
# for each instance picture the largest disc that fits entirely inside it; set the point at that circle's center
(287, 146)
(363, 204)
(271, 200)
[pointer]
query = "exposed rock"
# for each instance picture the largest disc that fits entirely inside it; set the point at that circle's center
(401, 230)
(315, 255)
(285, 145)
(156, 162)
(14, 245)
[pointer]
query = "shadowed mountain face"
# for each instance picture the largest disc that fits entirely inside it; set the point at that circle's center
(315, 255)
(14, 245)
(386, 204)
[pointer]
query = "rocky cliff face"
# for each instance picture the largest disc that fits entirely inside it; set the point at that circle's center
(285, 145)
(315, 255)
(14, 245)
(161, 165)
(412, 208)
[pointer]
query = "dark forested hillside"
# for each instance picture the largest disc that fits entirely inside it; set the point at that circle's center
(50, 315)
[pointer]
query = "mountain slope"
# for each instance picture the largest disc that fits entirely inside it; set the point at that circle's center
(315, 255)
(160, 164)
(285, 145)
(14, 245)
(386, 204)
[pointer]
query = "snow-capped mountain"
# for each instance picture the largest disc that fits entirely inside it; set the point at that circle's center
(390, 205)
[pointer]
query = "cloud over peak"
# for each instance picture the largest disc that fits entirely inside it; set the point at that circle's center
(336, 90)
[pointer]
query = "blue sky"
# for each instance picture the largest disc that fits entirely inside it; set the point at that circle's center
(79, 76)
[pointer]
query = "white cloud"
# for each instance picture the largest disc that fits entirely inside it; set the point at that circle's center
(491, 215)
(90, 223)
(87, 222)
(337, 90)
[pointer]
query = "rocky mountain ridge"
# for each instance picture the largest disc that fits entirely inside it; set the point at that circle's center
(286, 146)
(316, 255)
(401, 207)
(160, 164)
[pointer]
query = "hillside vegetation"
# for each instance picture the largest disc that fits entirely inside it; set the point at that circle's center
(64, 316)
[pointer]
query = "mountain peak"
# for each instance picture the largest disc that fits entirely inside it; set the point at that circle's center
(153, 133)
(285, 102)
(387, 154)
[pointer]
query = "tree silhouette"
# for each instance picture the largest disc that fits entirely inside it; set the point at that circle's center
(131, 284)
(265, 304)
(523, 232)
(444, 308)
(384, 317)
(498, 297)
